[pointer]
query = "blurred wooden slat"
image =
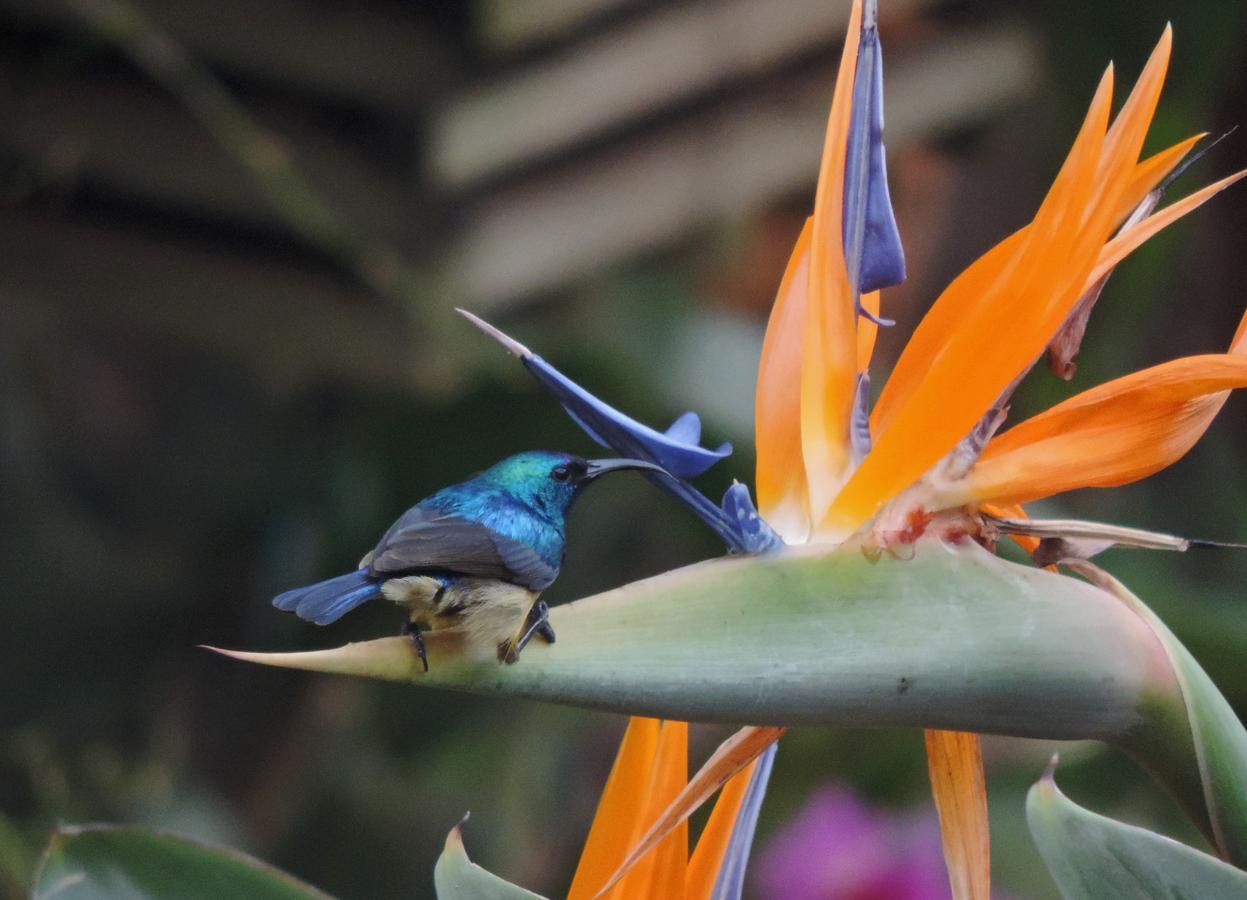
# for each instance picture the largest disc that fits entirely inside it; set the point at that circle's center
(556, 228)
(638, 69)
(508, 26)
(131, 140)
(352, 52)
(287, 324)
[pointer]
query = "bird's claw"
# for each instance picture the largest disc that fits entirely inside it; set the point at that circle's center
(538, 623)
(543, 628)
(413, 630)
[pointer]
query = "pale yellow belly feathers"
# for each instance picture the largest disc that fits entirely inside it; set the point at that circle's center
(490, 615)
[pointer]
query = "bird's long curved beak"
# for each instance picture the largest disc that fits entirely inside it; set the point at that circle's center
(602, 466)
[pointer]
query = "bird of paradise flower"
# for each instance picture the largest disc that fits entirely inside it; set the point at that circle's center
(927, 457)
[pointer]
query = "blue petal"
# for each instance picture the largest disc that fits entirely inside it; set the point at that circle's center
(677, 450)
(686, 429)
(859, 421)
(757, 536)
(872, 243)
(611, 428)
(731, 881)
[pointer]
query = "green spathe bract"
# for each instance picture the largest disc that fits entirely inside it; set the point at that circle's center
(951, 637)
(1092, 857)
(455, 877)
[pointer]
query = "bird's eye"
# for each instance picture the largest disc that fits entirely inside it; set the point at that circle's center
(560, 473)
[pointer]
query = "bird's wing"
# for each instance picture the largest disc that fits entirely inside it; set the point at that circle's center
(428, 539)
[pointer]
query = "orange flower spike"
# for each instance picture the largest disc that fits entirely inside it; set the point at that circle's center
(1124, 139)
(726, 763)
(1114, 434)
(829, 343)
(1149, 173)
(782, 496)
(621, 812)
(1030, 295)
(1131, 239)
(1110, 435)
(968, 289)
(707, 859)
(955, 764)
(733, 755)
(954, 305)
(660, 875)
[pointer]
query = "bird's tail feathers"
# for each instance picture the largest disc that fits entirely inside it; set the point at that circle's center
(327, 601)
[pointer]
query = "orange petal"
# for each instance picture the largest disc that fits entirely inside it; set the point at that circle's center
(1026, 297)
(621, 809)
(707, 860)
(955, 764)
(661, 874)
(1140, 199)
(1238, 344)
(782, 497)
(1114, 434)
(1125, 243)
(956, 304)
(829, 346)
(867, 331)
(733, 755)
(1124, 139)
(970, 287)
(1149, 173)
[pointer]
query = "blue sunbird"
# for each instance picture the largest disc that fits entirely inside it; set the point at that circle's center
(474, 557)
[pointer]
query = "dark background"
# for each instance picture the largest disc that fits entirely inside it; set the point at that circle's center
(228, 359)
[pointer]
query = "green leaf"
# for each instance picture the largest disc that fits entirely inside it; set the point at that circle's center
(102, 862)
(458, 878)
(1092, 857)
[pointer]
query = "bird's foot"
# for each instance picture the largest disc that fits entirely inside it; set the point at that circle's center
(413, 630)
(538, 623)
(540, 617)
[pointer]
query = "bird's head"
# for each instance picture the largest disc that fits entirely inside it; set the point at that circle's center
(550, 481)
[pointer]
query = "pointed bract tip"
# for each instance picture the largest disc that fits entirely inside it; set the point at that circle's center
(1180, 169)
(281, 660)
(1049, 773)
(234, 654)
(454, 837)
(389, 658)
(1216, 545)
(510, 343)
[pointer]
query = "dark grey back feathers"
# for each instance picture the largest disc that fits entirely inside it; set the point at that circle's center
(428, 539)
